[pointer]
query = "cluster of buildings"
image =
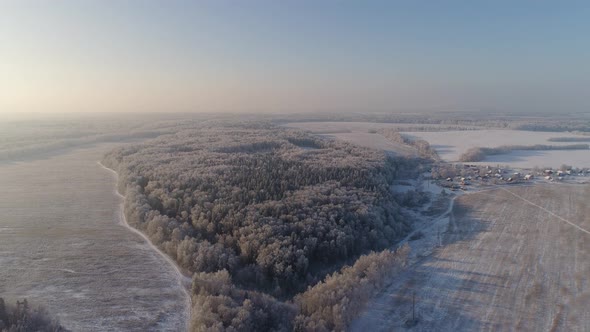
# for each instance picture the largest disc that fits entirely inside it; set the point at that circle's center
(552, 175)
(459, 176)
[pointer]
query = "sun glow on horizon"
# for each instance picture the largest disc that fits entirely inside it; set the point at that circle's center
(95, 56)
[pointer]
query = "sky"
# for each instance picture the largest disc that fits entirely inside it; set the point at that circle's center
(293, 56)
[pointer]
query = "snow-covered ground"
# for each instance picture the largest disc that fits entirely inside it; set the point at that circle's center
(365, 133)
(64, 245)
(451, 144)
(542, 159)
(184, 281)
(374, 141)
(513, 258)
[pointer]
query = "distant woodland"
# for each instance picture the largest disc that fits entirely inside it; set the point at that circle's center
(569, 139)
(457, 120)
(422, 147)
(22, 317)
(264, 218)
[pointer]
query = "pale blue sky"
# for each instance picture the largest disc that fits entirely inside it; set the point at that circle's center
(142, 55)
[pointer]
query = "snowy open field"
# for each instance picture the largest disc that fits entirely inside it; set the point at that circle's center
(363, 133)
(542, 159)
(451, 144)
(514, 258)
(64, 246)
(374, 141)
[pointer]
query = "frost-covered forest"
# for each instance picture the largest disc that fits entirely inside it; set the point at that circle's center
(23, 317)
(260, 215)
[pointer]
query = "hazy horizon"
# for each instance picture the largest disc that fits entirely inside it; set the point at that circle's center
(294, 56)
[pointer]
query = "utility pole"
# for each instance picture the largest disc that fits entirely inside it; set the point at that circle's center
(414, 307)
(412, 322)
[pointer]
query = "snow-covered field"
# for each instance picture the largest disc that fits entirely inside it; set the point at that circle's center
(374, 141)
(451, 144)
(542, 159)
(63, 245)
(514, 258)
(363, 133)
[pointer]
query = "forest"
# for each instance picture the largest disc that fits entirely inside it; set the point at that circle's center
(455, 120)
(422, 147)
(264, 218)
(569, 139)
(23, 317)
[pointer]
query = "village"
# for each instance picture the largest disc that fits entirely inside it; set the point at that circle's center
(463, 176)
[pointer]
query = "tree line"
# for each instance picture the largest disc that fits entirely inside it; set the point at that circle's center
(23, 317)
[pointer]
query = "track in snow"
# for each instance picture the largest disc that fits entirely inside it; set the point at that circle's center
(183, 280)
(544, 209)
